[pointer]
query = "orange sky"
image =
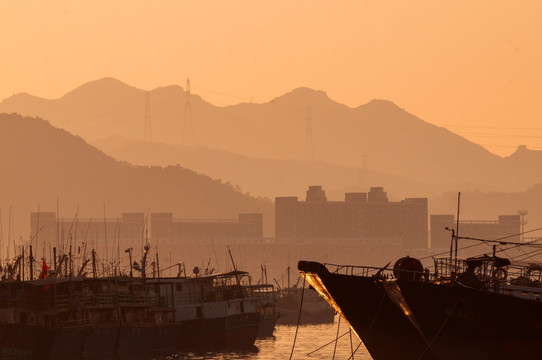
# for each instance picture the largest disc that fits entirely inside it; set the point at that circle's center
(471, 66)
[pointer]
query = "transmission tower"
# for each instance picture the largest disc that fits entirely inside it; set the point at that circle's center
(188, 127)
(309, 146)
(147, 133)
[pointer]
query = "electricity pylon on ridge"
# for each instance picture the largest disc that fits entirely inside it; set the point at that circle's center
(188, 137)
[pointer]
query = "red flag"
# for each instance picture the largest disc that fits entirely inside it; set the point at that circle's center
(44, 268)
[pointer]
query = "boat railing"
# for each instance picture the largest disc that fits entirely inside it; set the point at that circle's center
(105, 299)
(58, 302)
(62, 302)
(448, 268)
(135, 298)
(160, 301)
(360, 270)
(185, 298)
(213, 294)
(75, 323)
(101, 299)
(385, 272)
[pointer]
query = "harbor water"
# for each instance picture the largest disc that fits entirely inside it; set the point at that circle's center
(312, 342)
(309, 339)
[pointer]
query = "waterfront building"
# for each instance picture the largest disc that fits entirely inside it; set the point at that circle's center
(360, 215)
(506, 227)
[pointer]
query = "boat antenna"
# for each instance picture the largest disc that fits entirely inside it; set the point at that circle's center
(1, 238)
(213, 245)
(85, 240)
(118, 247)
(457, 224)
(73, 241)
(278, 285)
(22, 257)
(105, 234)
(234, 267)
(158, 264)
(231, 257)
(288, 276)
(94, 271)
(31, 261)
(129, 251)
(57, 227)
(37, 230)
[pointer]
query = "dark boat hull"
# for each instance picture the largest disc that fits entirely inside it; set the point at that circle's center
(19, 340)
(165, 339)
(378, 321)
(235, 331)
(481, 323)
(267, 324)
(148, 339)
(136, 339)
(290, 317)
(22, 340)
(69, 341)
(102, 340)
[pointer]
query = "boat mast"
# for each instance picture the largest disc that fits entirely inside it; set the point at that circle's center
(457, 224)
(22, 259)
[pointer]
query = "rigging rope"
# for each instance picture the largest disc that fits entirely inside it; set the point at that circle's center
(351, 347)
(439, 330)
(298, 318)
(327, 344)
(336, 338)
(352, 356)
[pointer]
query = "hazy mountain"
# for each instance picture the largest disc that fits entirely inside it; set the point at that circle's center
(264, 177)
(40, 164)
(378, 136)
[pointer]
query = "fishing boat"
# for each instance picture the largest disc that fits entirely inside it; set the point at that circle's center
(359, 295)
(295, 306)
(215, 311)
(266, 295)
(483, 307)
(306, 307)
(62, 313)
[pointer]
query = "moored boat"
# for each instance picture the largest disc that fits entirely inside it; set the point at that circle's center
(213, 311)
(484, 307)
(363, 301)
(266, 295)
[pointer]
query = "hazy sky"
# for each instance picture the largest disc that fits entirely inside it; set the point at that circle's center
(471, 66)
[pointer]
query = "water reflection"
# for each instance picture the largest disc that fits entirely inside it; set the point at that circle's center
(309, 339)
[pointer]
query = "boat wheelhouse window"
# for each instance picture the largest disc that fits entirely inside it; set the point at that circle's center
(179, 287)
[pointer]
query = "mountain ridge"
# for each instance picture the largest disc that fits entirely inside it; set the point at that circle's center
(379, 135)
(40, 164)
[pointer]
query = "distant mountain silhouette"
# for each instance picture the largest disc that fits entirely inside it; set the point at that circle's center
(265, 177)
(379, 135)
(40, 164)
